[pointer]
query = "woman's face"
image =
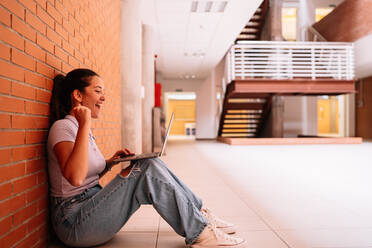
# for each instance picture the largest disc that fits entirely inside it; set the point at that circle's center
(93, 96)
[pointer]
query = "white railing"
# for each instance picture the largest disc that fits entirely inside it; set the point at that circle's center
(290, 60)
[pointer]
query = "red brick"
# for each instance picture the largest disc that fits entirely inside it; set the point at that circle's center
(74, 41)
(53, 61)
(37, 221)
(67, 47)
(45, 70)
(35, 165)
(73, 62)
(49, 84)
(44, 43)
(42, 122)
(11, 38)
(74, 23)
(21, 27)
(23, 122)
(9, 138)
(44, 16)
(30, 240)
(5, 86)
(22, 184)
(22, 153)
(32, 20)
(37, 193)
(31, 5)
(10, 239)
(66, 68)
(24, 91)
(11, 205)
(42, 203)
(61, 54)
(54, 13)
(42, 3)
(12, 171)
(43, 96)
(8, 104)
(24, 214)
(53, 36)
(37, 108)
(61, 9)
(5, 156)
(42, 177)
(5, 121)
(5, 225)
(5, 190)
(61, 31)
(11, 71)
(23, 60)
(33, 137)
(35, 51)
(14, 7)
(4, 52)
(66, 25)
(34, 79)
(4, 16)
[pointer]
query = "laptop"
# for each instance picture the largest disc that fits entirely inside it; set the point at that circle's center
(149, 155)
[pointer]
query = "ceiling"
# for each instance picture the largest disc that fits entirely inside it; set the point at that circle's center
(190, 44)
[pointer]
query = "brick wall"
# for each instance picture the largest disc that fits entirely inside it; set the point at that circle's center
(38, 39)
(348, 22)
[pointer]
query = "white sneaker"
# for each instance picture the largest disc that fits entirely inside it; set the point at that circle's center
(213, 237)
(220, 224)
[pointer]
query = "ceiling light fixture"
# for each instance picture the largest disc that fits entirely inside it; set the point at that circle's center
(222, 6)
(208, 6)
(194, 6)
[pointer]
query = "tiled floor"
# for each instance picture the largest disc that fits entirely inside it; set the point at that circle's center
(279, 196)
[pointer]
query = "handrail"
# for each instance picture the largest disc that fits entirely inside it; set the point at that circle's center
(316, 34)
(289, 60)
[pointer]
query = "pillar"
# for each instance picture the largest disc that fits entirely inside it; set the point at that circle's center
(130, 75)
(148, 80)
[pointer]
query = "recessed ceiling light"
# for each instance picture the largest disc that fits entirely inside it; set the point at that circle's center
(208, 6)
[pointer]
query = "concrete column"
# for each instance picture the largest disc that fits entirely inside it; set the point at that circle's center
(277, 114)
(130, 75)
(148, 77)
(275, 13)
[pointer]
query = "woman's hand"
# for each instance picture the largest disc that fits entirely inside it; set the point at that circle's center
(119, 154)
(82, 115)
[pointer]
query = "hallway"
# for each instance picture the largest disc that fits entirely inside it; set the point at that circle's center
(279, 196)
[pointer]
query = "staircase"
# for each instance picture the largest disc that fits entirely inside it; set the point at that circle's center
(252, 31)
(244, 114)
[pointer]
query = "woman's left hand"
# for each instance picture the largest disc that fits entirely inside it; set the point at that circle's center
(119, 154)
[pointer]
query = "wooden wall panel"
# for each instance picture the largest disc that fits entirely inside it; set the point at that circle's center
(364, 108)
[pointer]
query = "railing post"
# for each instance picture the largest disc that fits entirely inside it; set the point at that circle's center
(312, 63)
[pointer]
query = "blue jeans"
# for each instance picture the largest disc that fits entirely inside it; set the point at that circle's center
(94, 216)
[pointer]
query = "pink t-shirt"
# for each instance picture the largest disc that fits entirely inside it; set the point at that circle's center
(66, 130)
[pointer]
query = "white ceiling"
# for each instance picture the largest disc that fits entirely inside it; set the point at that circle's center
(190, 44)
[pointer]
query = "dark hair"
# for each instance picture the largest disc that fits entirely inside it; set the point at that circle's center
(63, 86)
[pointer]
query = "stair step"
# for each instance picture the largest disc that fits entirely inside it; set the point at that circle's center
(249, 30)
(253, 24)
(240, 121)
(244, 111)
(237, 135)
(247, 36)
(246, 100)
(256, 17)
(240, 125)
(240, 130)
(242, 116)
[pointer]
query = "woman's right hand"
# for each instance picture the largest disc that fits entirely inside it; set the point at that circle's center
(82, 115)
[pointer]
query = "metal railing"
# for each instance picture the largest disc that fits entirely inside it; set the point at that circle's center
(290, 60)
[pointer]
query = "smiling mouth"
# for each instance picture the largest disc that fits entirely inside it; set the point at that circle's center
(98, 106)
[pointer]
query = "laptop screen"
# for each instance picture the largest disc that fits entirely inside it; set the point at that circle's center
(166, 136)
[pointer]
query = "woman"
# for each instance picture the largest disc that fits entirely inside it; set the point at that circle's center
(83, 213)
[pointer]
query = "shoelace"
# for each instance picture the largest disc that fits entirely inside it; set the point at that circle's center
(221, 234)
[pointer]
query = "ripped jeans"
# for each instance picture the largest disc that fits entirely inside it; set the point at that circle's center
(94, 216)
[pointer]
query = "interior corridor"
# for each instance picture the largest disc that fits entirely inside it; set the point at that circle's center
(279, 196)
